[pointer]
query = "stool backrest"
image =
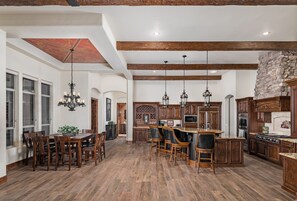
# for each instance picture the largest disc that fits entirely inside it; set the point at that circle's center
(154, 131)
(160, 129)
(206, 140)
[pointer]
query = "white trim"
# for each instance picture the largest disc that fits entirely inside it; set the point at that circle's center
(29, 77)
(13, 72)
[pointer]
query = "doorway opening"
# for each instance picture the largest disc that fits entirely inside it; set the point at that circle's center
(121, 119)
(94, 114)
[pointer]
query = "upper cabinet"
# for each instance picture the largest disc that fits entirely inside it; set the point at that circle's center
(170, 112)
(191, 109)
(275, 104)
(293, 84)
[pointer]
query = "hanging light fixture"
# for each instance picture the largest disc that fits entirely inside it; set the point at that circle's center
(165, 98)
(72, 99)
(207, 94)
(184, 95)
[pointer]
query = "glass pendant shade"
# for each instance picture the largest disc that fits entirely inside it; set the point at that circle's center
(207, 94)
(184, 95)
(71, 99)
(165, 98)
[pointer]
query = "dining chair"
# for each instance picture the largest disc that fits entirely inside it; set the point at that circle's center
(63, 148)
(42, 151)
(28, 141)
(102, 144)
(94, 149)
(205, 150)
(87, 131)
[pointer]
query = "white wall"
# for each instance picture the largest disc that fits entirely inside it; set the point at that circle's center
(25, 66)
(2, 104)
(245, 83)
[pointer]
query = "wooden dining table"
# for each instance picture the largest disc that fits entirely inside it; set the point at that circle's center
(78, 139)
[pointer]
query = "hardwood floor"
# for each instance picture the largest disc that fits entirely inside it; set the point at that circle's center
(127, 174)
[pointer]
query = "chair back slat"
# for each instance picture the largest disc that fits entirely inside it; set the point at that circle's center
(62, 144)
(43, 144)
(28, 139)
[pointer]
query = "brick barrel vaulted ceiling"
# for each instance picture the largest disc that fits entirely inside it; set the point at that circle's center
(84, 50)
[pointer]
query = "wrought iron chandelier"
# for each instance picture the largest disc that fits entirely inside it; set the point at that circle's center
(165, 98)
(72, 99)
(184, 95)
(207, 94)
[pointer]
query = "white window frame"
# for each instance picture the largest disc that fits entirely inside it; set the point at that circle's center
(14, 110)
(35, 101)
(50, 105)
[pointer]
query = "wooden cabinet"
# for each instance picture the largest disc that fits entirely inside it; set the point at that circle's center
(191, 108)
(229, 152)
(170, 112)
(275, 104)
(253, 145)
(289, 174)
(140, 134)
(210, 116)
(261, 149)
(264, 117)
(273, 151)
(293, 85)
(243, 106)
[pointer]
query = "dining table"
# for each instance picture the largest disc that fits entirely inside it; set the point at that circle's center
(78, 139)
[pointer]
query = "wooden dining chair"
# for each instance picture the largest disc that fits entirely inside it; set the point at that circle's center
(42, 151)
(28, 141)
(95, 149)
(102, 144)
(63, 148)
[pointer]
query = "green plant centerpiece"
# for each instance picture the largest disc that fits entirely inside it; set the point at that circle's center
(68, 130)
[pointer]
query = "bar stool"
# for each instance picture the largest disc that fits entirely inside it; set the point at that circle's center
(167, 139)
(205, 146)
(177, 146)
(155, 140)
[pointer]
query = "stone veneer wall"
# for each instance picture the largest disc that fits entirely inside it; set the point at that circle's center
(274, 68)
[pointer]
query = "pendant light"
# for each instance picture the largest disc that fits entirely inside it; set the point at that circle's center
(72, 99)
(207, 94)
(184, 95)
(165, 98)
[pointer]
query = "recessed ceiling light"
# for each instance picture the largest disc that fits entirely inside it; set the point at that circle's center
(154, 71)
(266, 33)
(213, 71)
(157, 33)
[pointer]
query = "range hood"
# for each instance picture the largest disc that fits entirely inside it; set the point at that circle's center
(274, 104)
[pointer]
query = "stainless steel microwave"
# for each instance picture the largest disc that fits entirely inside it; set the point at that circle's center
(190, 118)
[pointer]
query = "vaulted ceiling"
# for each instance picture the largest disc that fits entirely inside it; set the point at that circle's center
(142, 37)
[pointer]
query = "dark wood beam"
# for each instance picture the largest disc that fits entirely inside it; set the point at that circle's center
(193, 66)
(206, 46)
(193, 77)
(150, 2)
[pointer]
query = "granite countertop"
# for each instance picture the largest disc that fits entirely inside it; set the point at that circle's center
(289, 155)
(251, 133)
(293, 140)
(231, 138)
(147, 127)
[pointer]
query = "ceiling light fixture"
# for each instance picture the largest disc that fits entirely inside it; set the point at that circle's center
(157, 33)
(154, 71)
(266, 33)
(165, 98)
(207, 94)
(184, 95)
(213, 71)
(71, 100)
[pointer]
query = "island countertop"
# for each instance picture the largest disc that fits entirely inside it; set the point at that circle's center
(293, 140)
(199, 130)
(289, 155)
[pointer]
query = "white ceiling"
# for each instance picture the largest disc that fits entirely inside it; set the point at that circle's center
(188, 23)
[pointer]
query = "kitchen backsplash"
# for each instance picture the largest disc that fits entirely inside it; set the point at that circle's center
(280, 123)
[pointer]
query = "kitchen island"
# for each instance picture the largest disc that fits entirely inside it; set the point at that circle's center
(228, 150)
(289, 172)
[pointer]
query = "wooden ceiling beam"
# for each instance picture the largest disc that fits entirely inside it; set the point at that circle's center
(193, 66)
(206, 46)
(193, 77)
(150, 2)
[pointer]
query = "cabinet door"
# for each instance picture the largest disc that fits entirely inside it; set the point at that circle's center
(170, 112)
(294, 110)
(236, 151)
(201, 119)
(221, 151)
(187, 109)
(273, 152)
(162, 112)
(214, 119)
(177, 112)
(194, 109)
(253, 146)
(261, 148)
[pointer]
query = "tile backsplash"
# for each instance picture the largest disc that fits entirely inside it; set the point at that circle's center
(280, 123)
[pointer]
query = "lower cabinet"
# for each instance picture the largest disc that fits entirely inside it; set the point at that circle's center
(261, 148)
(253, 145)
(229, 152)
(273, 151)
(140, 135)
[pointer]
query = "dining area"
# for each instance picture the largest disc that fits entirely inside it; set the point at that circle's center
(50, 152)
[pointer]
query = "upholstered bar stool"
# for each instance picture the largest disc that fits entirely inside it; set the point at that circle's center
(205, 150)
(177, 147)
(167, 139)
(155, 140)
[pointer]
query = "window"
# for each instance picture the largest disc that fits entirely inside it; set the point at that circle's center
(45, 107)
(10, 109)
(28, 105)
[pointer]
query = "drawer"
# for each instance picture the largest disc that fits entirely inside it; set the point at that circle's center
(287, 144)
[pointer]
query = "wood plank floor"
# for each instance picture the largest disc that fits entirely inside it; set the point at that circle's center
(127, 174)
